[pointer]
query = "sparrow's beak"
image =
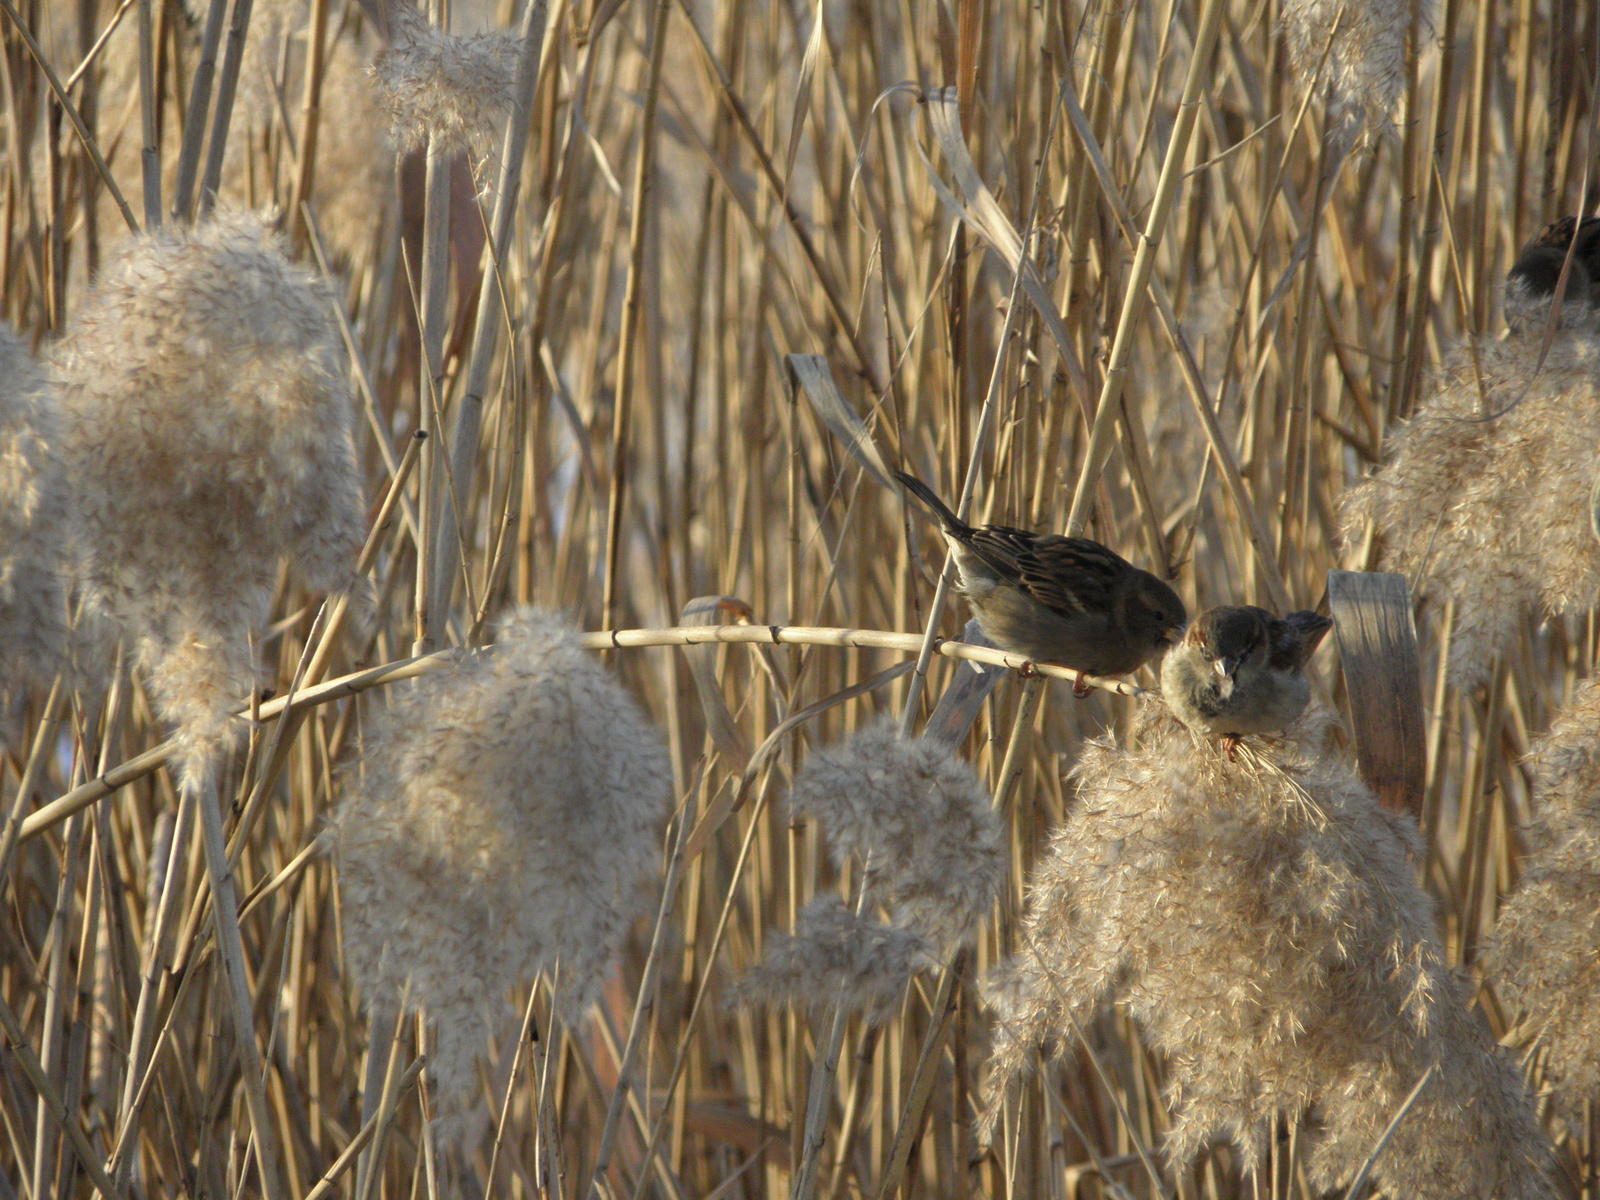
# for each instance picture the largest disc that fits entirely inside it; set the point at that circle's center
(1228, 665)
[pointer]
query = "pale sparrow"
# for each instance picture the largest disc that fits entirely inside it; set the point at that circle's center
(1239, 669)
(1056, 599)
(1539, 265)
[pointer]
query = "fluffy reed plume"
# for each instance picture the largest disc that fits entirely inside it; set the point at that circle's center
(353, 180)
(1366, 61)
(1545, 953)
(922, 822)
(1494, 513)
(505, 819)
(835, 953)
(208, 431)
(33, 614)
(1263, 925)
(456, 88)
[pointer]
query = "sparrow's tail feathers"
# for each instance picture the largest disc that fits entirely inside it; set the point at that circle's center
(951, 522)
(1312, 627)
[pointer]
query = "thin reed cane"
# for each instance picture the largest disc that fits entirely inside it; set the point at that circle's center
(1133, 301)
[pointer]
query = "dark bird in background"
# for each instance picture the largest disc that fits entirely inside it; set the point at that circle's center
(1539, 265)
(1241, 670)
(1056, 599)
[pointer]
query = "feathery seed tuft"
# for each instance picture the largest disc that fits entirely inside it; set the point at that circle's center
(835, 956)
(207, 426)
(920, 816)
(1265, 929)
(1366, 63)
(456, 88)
(506, 818)
(33, 607)
(1545, 953)
(1494, 513)
(922, 822)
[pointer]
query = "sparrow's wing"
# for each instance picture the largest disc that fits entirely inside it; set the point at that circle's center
(1000, 548)
(1559, 235)
(1295, 638)
(1071, 576)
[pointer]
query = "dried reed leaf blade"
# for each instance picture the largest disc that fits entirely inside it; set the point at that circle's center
(720, 725)
(958, 708)
(1383, 677)
(814, 377)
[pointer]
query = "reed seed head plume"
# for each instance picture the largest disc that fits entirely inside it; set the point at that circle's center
(454, 88)
(207, 427)
(505, 819)
(835, 956)
(1261, 921)
(353, 180)
(1544, 956)
(1484, 497)
(922, 820)
(33, 612)
(1365, 43)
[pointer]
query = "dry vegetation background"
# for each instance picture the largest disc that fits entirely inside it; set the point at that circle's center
(708, 188)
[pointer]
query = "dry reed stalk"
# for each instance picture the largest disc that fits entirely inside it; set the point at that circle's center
(233, 57)
(469, 406)
(1134, 297)
(338, 689)
(91, 147)
(622, 417)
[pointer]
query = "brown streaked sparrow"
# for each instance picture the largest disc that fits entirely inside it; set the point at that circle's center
(1056, 599)
(1539, 265)
(1239, 669)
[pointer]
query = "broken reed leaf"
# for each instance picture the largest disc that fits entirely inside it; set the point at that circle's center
(1377, 638)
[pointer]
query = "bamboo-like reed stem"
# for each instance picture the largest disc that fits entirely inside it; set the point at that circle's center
(1144, 258)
